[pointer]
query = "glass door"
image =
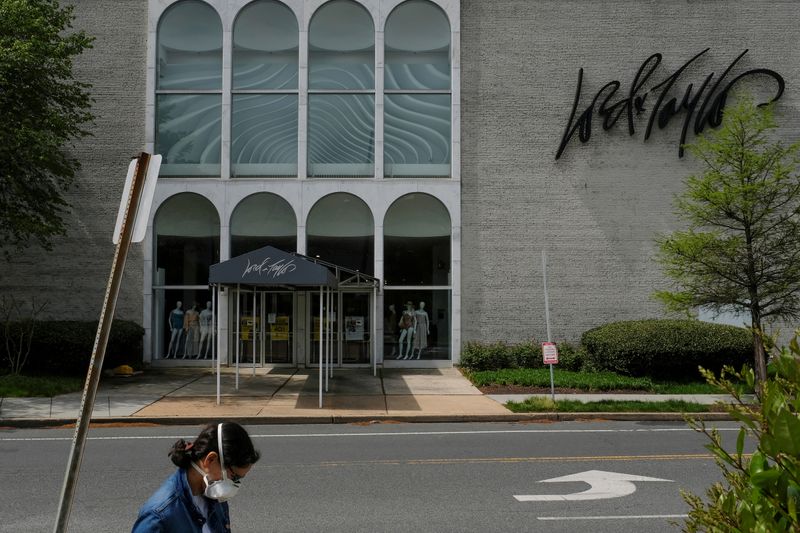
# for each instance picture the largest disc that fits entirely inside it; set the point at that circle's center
(314, 324)
(357, 325)
(266, 331)
(351, 328)
(277, 334)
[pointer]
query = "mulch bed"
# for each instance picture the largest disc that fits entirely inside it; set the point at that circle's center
(520, 389)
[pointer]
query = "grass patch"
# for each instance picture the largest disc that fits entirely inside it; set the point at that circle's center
(584, 381)
(26, 386)
(546, 405)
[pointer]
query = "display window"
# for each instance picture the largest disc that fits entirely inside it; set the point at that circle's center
(186, 241)
(416, 324)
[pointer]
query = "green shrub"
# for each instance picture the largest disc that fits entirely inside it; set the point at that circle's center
(760, 493)
(65, 347)
(666, 349)
(527, 355)
(478, 356)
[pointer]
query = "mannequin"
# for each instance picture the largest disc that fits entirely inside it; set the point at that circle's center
(407, 325)
(175, 322)
(206, 330)
(191, 323)
(422, 329)
(390, 330)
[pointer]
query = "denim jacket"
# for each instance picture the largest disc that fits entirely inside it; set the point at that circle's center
(171, 509)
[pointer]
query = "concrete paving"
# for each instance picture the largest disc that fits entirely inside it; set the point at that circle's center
(281, 395)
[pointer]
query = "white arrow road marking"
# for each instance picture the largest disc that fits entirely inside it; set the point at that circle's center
(602, 485)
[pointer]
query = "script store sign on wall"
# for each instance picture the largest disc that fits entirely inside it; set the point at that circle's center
(700, 102)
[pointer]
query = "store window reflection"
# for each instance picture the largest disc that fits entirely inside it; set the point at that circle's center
(263, 219)
(340, 230)
(186, 230)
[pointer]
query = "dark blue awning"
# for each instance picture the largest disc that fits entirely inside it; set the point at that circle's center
(269, 266)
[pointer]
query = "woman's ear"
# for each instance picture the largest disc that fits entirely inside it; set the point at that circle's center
(208, 460)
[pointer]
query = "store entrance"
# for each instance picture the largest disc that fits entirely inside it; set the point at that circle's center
(266, 330)
(351, 328)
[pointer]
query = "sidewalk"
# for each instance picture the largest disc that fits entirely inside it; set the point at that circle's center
(188, 396)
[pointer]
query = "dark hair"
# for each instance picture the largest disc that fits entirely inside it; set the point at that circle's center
(237, 447)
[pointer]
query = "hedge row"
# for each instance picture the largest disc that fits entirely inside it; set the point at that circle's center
(479, 356)
(65, 347)
(666, 348)
(660, 349)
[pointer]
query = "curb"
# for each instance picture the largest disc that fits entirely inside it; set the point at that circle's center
(272, 420)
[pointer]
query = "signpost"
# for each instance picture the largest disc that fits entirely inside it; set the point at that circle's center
(134, 212)
(549, 352)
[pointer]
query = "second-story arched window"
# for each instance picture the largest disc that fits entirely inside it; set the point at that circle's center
(341, 101)
(265, 97)
(189, 90)
(417, 87)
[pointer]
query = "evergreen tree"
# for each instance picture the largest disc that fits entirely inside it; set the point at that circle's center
(742, 246)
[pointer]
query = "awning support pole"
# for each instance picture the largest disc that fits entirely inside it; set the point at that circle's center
(219, 341)
(320, 346)
(238, 330)
(374, 330)
(254, 330)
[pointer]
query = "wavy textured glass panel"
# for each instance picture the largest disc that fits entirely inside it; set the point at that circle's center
(416, 135)
(189, 47)
(341, 47)
(417, 47)
(265, 47)
(188, 133)
(341, 134)
(264, 135)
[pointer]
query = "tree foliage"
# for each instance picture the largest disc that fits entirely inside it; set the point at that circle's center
(760, 493)
(741, 249)
(43, 108)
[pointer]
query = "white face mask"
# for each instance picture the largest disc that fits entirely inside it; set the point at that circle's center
(221, 489)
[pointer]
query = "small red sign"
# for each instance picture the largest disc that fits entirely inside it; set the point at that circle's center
(549, 353)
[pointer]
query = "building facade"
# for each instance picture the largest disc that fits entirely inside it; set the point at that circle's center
(439, 146)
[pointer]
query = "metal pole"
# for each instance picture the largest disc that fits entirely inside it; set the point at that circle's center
(320, 345)
(254, 330)
(547, 321)
(328, 340)
(100, 343)
(219, 341)
(238, 331)
(374, 330)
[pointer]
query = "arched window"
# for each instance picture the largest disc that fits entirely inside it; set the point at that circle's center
(340, 230)
(341, 101)
(263, 219)
(189, 90)
(186, 235)
(416, 243)
(265, 67)
(417, 110)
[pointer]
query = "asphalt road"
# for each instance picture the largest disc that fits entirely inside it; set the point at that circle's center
(380, 477)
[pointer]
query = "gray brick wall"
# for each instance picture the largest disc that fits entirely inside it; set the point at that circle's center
(597, 209)
(73, 276)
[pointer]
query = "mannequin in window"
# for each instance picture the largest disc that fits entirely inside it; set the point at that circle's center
(191, 324)
(422, 329)
(407, 326)
(390, 330)
(175, 322)
(206, 330)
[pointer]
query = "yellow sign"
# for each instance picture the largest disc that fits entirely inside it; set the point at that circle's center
(246, 327)
(324, 325)
(280, 329)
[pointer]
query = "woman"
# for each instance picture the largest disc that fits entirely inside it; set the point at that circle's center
(210, 470)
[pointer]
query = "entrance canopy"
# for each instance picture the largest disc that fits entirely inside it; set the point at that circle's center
(269, 266)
